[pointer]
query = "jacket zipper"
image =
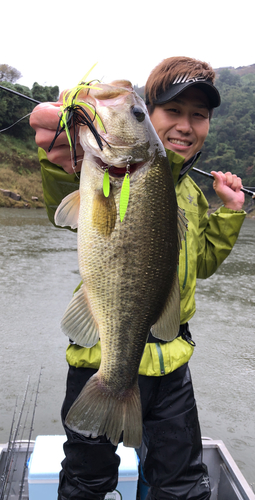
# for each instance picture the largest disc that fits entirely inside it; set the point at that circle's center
(161, 359)
(186, 262)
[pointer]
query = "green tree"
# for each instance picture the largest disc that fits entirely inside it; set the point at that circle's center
(228, 77)
(230, 144)
(13, 108)
(44, 94)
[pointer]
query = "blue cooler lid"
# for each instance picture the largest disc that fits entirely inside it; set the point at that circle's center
(45, 462)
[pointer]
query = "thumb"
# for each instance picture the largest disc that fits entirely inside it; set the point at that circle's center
(218, 178)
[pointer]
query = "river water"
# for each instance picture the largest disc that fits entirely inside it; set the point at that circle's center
(38, 274)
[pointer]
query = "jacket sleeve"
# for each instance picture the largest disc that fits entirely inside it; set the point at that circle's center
(217, 235)
(56, 183)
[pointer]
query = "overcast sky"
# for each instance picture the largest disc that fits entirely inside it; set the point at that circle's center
(56, 43)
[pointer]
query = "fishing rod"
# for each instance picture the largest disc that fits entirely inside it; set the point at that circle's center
(201, 172)
(20, 95)
(11, 462)
(4, 475)
(19, 446)
(206, 174)
(11, 446)
(29, 438)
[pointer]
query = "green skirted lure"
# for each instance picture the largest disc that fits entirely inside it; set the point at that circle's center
(71, 101)
(73, 114)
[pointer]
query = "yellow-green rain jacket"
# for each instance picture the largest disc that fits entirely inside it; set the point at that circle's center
(207, 243)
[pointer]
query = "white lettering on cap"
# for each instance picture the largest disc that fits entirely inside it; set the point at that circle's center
(187, 79)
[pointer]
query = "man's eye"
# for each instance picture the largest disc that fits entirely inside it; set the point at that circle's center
(172, 110)
(201, 115)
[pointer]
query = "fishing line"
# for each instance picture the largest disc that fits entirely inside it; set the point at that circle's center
(4, 129)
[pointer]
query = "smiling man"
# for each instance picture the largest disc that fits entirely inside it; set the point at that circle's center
(182, 124)
(180, 96)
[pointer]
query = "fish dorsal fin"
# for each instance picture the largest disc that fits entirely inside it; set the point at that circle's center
(79, 323)
(67, 213)
(182, 226)
(168, 324)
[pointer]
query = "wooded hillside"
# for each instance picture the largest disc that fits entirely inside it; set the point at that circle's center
(230, 144)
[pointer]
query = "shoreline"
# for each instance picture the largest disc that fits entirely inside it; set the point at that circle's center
(23, 204)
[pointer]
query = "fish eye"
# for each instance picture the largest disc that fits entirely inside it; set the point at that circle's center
(139, 113)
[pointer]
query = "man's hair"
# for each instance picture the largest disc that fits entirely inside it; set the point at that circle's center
(165, 73)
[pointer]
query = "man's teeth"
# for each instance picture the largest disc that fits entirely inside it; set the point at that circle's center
(181, 143)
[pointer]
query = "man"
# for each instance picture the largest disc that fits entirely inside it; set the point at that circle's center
(180, 96)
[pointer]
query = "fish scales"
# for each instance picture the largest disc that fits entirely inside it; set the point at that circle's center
(126, 265)
(129, 271)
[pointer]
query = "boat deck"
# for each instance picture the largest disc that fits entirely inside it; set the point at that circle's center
(227, 481)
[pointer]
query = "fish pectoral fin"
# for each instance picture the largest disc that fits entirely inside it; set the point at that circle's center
(104, 213)
(79, 323)
(98, 411)
(67, 213)
(182, 226)
(168, 325)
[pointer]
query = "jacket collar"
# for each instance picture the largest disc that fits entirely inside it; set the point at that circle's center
(179, 167)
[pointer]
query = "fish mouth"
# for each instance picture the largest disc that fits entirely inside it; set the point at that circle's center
(120, 171)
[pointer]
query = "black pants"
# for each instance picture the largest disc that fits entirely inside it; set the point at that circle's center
(171, 454)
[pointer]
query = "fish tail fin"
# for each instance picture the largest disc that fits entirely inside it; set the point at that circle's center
(98, 411)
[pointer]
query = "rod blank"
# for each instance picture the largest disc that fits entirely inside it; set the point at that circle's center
(206, 174)
(20, 95)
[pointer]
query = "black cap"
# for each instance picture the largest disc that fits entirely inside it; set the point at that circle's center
(182, 83)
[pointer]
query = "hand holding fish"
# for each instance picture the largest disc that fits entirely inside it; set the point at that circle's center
(44, 120)
(228, 187)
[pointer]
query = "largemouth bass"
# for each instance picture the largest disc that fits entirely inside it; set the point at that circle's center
(129, 268)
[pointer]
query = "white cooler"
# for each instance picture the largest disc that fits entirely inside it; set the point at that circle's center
(45, 464)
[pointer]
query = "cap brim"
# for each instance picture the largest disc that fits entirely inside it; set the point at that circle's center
(174, 90)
